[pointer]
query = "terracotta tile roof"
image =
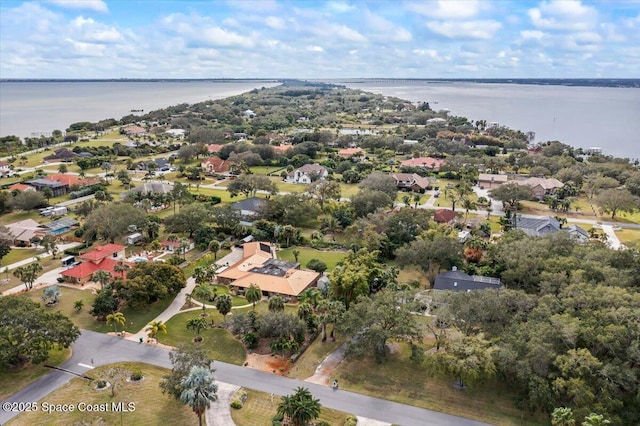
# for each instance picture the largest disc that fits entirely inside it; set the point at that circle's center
(429, 162)
(83, 270)
(214, 147)
(216, 163)
(350, 152)
(71, 179)
(290, 282)
(444, 216)
(21, 187)
(101, 252)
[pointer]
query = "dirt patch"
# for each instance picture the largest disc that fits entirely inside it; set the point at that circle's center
(262, 359)
(269, 363)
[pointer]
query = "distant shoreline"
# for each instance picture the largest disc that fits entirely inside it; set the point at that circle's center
(579, 82)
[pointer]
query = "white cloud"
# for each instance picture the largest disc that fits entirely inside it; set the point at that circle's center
(340, 7)
(432, 53)
(386, 30)
(532, 35)
(484, 29)
(198, 30)
(95, 5)
(347, 33)
(446, 9)
(315, 49)
(254, 5)
(569, 15)
(275, 23)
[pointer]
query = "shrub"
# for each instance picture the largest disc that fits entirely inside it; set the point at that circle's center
(351, 421)
(236, 404)
(239, 398)
(136, 375)
(101, 384)
(250, 339)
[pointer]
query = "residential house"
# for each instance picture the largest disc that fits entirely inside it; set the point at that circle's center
(58, 188)
(215, 165)
(23, 231)
(21, 187)
(62, 154)
(72, 180)
(436, 120)
(149, 187)
(134, 130)
(412, 182)
(249, 114)
(176, 133)
(541, 186)
(214, 148)
(445, 216)
(162, 164)
(175, 246)
(540, 226)
(260, 266)
(307, 174)
(352, 153)
(455, 280)
(250, 207)
(489, 181)
(103, 258)
(5, 168)
(424, 162)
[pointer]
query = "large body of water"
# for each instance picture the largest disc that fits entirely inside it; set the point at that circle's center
(579, 116)
(606, 117)
(30, 108)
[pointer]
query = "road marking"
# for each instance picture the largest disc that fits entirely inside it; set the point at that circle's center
(86, 366)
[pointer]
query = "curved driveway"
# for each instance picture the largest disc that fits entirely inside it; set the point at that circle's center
(105, 349)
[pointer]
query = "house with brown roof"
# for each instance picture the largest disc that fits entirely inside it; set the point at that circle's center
(282, 149)
(411, 182)
(134, 130)
(350, 153)
(541, 186)
(214, 148)
(444, 216)
(489, 180)
(307, 174)
(62, 154)
(21, 187)
(215, 165)
(102, 258)
(70, 180)
(424, 162)
(260, 266)
(23, 231)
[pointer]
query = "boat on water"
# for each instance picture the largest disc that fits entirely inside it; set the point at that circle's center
(137, 110)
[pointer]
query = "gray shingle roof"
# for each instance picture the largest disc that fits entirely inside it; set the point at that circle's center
(459, 281)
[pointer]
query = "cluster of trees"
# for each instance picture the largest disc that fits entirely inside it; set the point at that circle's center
(145, 283)
(28, 332)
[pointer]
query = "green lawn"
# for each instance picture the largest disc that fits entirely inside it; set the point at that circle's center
(331, 258)
(18, 254)
(137, 318)
(11, 382)
(221, 289)
(288, 187)
(9, 281)
(259, 410)
(629, 237)
(151, 406)
(220, 344)
(7, 218)
(265, 170)
(402, 381)
(306, 365)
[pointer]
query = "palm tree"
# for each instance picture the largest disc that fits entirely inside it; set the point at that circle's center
(406, 199)
(224, 304)
(203, 292)
(78, 304)
(562, 416)
(296, 254)
(199, 390)
(197, 324)
(102, 277)
(416, 199)
(468, 204)
(121, 268)
(214, 247)
(311, 296)
(253, 295)
(305, 310)
(301, 407)
(115, 319)
(276, 304)
(154, 327)
(28, 274)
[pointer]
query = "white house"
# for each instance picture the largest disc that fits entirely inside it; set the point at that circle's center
(307, 174)
(249, 114)
(176, 133)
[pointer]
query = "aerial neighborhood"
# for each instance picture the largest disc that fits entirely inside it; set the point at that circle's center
(309, 231)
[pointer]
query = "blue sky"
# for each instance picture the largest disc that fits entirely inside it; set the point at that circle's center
(313, 39)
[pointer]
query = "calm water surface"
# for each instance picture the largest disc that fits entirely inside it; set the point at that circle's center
(32, 107)
(579, 116)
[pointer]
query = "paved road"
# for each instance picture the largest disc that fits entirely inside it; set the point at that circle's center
(105, 349)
